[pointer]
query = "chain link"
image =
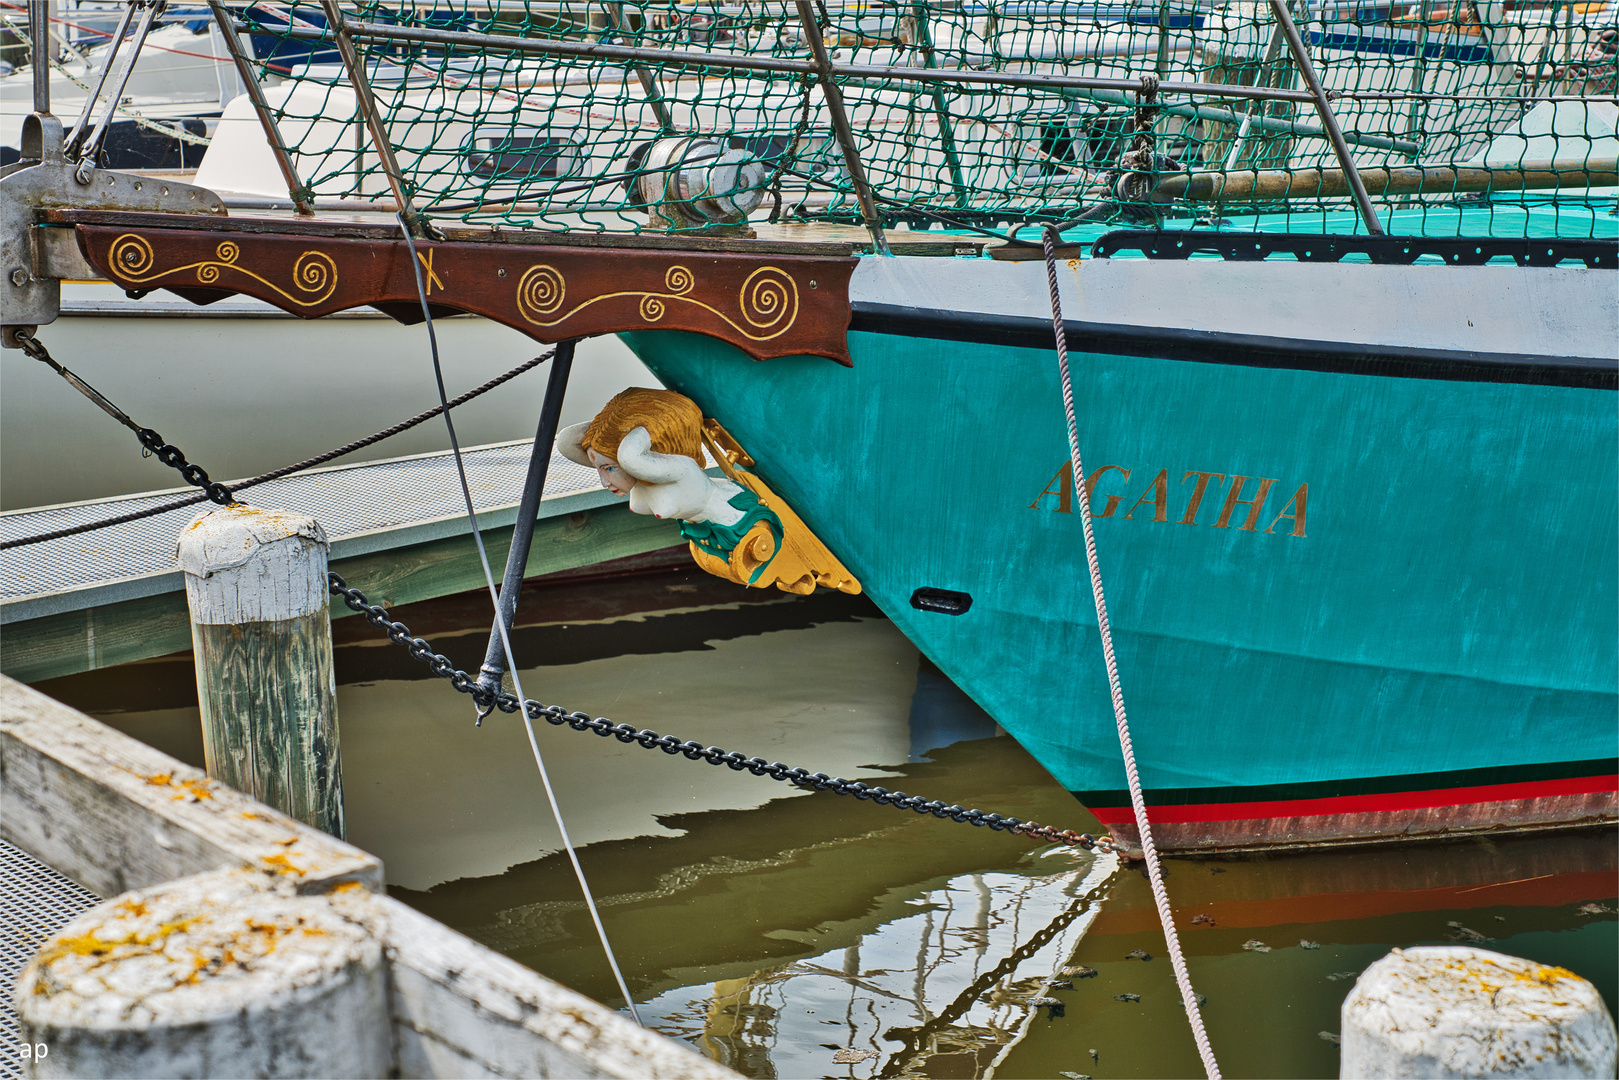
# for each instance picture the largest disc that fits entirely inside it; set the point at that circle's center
(241, 485)
(193, 474)
(488, 700)
(166, 452)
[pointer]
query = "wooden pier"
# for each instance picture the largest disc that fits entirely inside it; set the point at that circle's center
(116, 816)
(398, 532)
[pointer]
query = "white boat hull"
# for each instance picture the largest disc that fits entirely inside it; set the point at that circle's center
(243, 388)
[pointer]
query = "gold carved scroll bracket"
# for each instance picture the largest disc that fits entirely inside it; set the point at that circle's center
(803, 562)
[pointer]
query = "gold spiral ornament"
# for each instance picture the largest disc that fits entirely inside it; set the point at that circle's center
(769, 300)
(540, 292)
(315, 272)
(131, 256)
(227, 254)
(651, 307)
(679, 280)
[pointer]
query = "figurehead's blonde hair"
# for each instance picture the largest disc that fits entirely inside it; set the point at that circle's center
(673, 420)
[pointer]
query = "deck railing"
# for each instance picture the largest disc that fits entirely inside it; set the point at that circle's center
(538, 115)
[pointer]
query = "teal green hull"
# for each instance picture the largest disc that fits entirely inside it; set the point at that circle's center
(1427, 596)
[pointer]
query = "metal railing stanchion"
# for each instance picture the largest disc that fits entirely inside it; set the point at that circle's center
(295, 189)
(90, 147)
(366, 102)
(840, 126)
(1368, 214)
(39, 59)
(94, 95)
(649, 82)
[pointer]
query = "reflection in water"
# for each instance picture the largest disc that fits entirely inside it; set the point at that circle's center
(1276, 943)
(942, 714)
(796, 934)
(954, 982)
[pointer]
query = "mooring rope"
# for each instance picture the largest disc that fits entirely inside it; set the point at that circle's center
(505, 638)
(1149, 851)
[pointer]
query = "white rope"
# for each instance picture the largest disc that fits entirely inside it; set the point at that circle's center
(505, 639)
(1154, 874)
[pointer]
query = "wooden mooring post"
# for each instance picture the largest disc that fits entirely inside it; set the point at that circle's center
(296, 985)
(262, 642)
(1453, 1010)
(235, 941)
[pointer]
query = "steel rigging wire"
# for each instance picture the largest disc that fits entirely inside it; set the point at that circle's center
(505, 638)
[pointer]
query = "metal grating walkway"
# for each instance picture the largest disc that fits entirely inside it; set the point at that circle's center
(348, 500)
(35, 902)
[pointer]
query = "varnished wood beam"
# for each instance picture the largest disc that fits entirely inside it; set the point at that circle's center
(1333, 184)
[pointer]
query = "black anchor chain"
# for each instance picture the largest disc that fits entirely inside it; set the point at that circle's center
(37, 350)
(166, 452)
(488, 700)
(194, 474)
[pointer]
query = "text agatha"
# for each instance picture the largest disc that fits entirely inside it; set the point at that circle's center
(1241, 499)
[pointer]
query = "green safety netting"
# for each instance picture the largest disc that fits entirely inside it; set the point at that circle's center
(1431, 96)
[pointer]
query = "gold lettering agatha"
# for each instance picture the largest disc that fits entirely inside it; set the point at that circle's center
(1242, 507)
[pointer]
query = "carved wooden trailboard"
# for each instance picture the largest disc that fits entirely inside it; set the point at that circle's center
(767, 300)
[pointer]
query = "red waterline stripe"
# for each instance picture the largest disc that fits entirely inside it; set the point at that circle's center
(1360, 804)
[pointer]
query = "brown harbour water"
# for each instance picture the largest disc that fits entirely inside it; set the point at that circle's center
(786, 932)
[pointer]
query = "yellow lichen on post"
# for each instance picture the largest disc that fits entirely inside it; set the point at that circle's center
(1460, 1011)
(230, 973)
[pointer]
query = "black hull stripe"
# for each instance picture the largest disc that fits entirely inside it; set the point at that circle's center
(1376, 785)
(1244, 350)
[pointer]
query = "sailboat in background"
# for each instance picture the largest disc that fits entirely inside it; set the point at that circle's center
(240, 353)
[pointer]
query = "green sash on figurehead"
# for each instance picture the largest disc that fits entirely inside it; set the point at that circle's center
(720, 540)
